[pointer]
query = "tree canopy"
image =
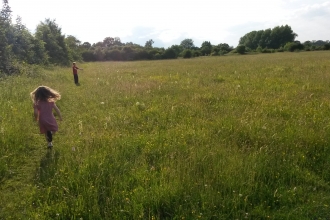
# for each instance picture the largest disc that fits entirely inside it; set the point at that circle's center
(49, 46)
(269, 38)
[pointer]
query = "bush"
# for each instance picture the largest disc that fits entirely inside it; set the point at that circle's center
(259, 49)
(267, 50)
(88, 56)
(279, 50)
(240, 49)
(187, 53)
(170, 54)
(326, 47)
(293, 46)
(196, 53)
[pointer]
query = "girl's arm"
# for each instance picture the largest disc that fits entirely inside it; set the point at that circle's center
(58, 112)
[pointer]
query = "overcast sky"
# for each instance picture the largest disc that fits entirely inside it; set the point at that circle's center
(168, 22)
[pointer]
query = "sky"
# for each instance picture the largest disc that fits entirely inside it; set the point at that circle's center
(168, 22)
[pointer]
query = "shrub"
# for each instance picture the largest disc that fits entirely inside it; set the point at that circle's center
(240, 49)
(293, 46)
(196, 53)
(187, 53)
(170, 54)
(326, 46)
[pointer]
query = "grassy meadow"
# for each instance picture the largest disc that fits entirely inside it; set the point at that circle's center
(230, 137)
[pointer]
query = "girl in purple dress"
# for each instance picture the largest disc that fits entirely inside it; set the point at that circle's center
(44, 99)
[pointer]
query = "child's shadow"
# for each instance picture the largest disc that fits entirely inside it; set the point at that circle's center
(48, 167)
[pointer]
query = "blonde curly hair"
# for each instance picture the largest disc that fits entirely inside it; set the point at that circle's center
(44, 93)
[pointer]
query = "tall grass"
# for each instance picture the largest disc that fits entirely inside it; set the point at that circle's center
(240, 137)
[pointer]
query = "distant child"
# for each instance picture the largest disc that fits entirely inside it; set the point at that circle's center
(44, 99)
(75, 72)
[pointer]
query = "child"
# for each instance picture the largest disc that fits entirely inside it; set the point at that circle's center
(44, 99)
(75, 72)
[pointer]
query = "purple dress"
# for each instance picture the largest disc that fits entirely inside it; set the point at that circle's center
(47, 121)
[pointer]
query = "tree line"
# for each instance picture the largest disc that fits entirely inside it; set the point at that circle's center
(48, 46)
(280, 38)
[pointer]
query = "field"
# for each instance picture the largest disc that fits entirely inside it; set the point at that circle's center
(229, 137)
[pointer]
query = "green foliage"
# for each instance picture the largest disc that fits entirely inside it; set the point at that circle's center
(170, 53)
(240, 49)
(73, 47)
(48, 46)
(187, 53)
(149, 44)
(269, 38)
(100, 54)
(206, 48)
(57, 50)
(326, 46)
(6, 56)
(177, 48)
(187, 43)
(293, 46)
(196, 53)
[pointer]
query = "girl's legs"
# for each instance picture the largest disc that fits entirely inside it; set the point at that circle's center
(49, 138)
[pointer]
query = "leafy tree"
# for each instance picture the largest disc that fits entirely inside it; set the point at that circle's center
(128, 53)
(222, 48)
(170, 53)
(265, 39)
(215, 50)
(74, 50)
(149, 43)
(293, 46)
(26, 47)
(39, 54)
(187, 53)
(206, 48)
(108, 42)
(178, 49)
(141, 54)
(187, 44)
(269, 38)
(99, 54)
(114, 55)
(117, 42)
(326, 46)
(6, 56)
(6, 12)
(86, 45)
(55, 45)
(88, 55)
(240, 49)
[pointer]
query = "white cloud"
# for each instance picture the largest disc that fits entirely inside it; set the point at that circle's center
(169, 22)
